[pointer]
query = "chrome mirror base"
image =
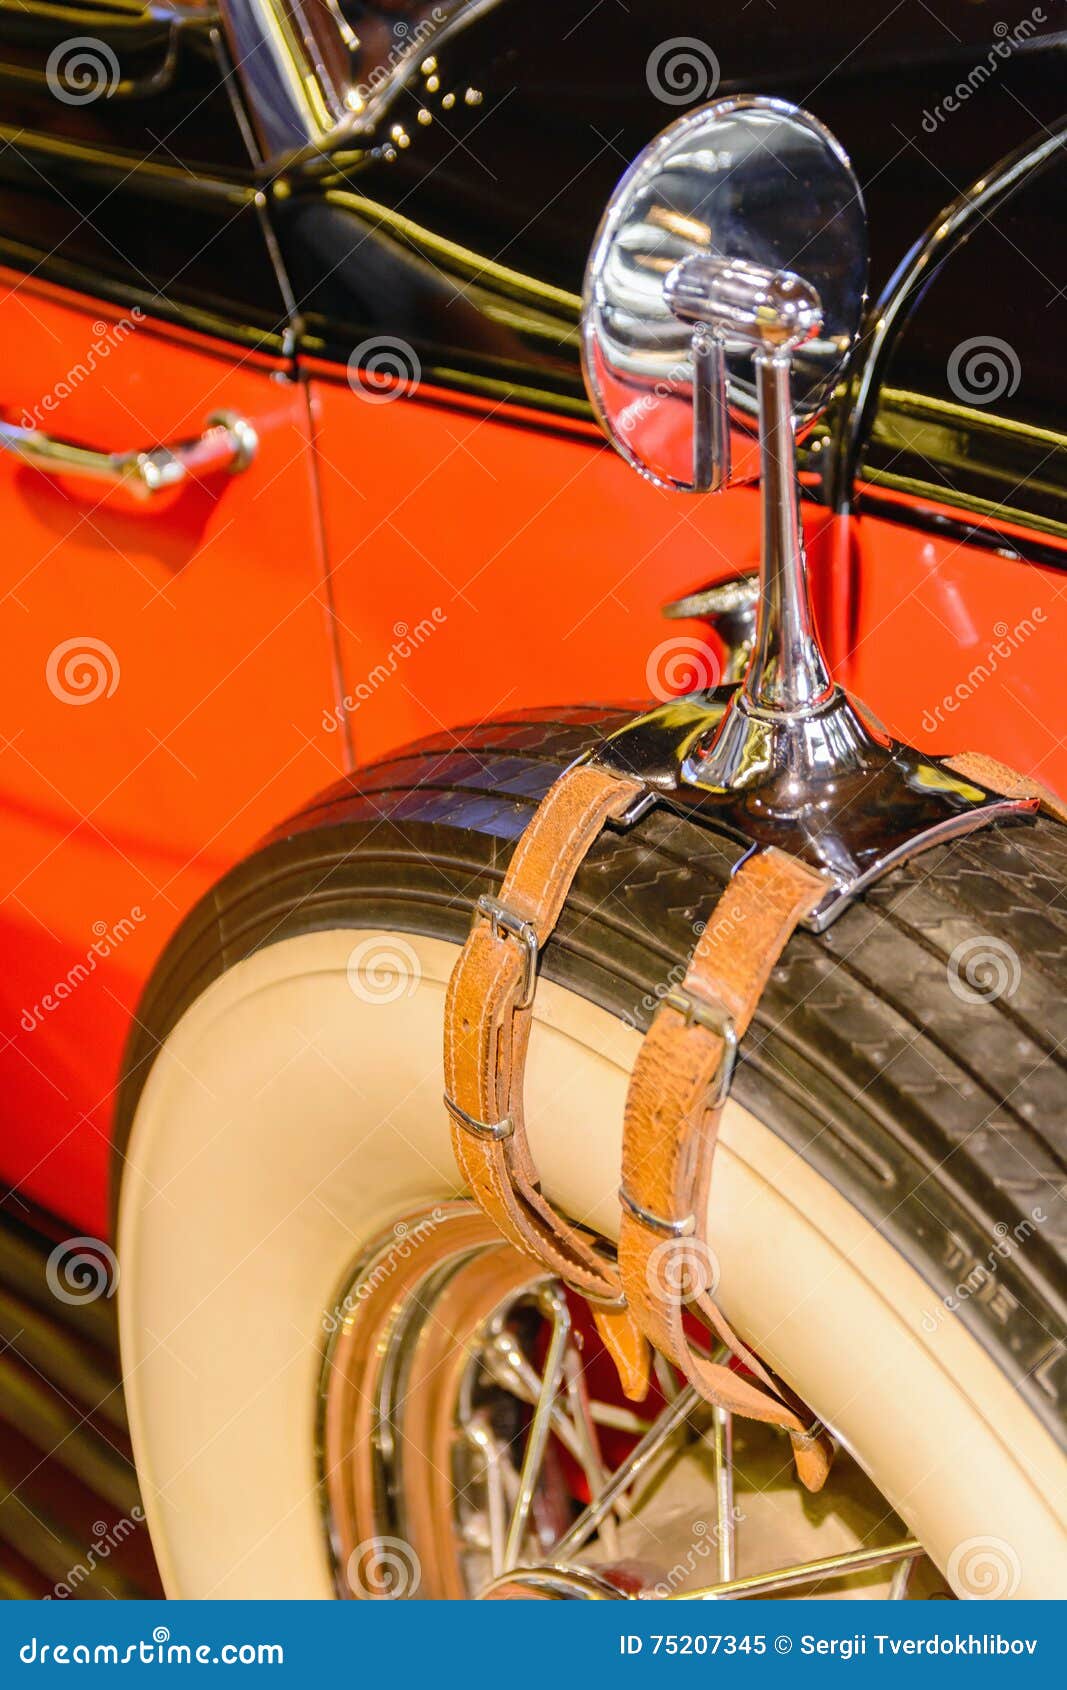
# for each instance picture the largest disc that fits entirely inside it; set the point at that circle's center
(823, 784)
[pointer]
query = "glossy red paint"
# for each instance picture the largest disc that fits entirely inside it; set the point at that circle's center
(459, 559)
(954, 647)
(538, 564)
(203, 626)
(534, 561)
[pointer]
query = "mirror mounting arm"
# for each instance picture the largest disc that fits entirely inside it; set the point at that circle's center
(771, 312)
(788, 672)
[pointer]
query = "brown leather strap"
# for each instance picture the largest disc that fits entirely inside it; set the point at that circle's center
(986, 771)
(487, 1031)
(672, 1115)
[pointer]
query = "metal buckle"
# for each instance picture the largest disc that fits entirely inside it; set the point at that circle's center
(614, 1304)
(656, 1223)
(506, 925)
(495, 1130)
(716, 1020)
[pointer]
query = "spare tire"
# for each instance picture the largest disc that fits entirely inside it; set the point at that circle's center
(912, 1058)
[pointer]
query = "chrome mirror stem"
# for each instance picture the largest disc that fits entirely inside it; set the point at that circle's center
(787, 671)
(772, 312)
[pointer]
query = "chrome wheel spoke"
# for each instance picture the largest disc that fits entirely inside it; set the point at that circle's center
(540, 1425)
(804, 1573)
(618, 1419)
(506, 1365)
(480, 1434)
(673, 1416)
(898, 1588)
(582, 1419)
(485, 1363)
(723, 1433)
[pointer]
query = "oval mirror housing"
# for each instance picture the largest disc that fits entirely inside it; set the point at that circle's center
(741, 226)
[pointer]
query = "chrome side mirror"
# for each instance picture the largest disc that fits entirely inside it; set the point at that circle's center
(723, 295)
(728, 279)
(738, 229)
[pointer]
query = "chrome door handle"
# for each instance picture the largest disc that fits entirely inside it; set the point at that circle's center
(228, 443)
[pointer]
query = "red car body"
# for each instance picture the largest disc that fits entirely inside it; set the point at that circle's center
(179, 675)
(241, 618)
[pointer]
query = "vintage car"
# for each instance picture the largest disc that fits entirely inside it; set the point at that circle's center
(315, 314)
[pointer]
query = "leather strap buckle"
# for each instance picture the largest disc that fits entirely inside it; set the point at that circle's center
(613, 1304)
(495, 1130)
(505, 924)
(696, 1011)
(656, 1223)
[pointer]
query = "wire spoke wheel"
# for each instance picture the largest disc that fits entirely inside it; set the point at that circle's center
(475, 1443)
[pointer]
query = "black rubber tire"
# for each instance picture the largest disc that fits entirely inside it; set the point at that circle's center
(943, 1121)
